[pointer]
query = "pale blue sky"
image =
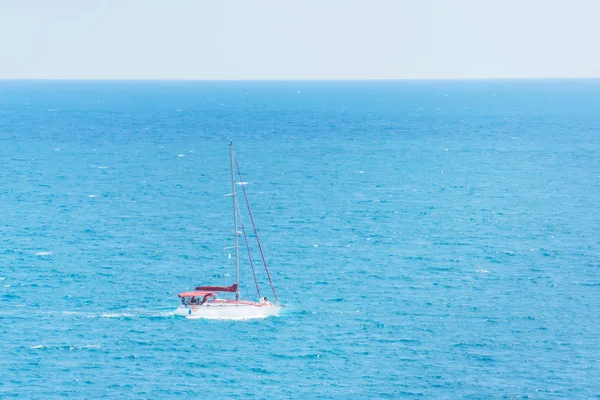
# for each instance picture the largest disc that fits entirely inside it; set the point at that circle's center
(308, 39)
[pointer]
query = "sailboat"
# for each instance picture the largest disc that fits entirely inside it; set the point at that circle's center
(205, 301)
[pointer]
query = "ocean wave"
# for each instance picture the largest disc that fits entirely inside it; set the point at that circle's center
(66, 347)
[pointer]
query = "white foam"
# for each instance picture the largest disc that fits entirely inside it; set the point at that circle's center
(162, 314)
(134, 314)
(180, 155)
(90, 346)
(57, 149)
(91, 196)
(257, 316)
(43, 253)
(116, 315)
(483, 271)
(242, 183)
(86, 346)
(102, 167)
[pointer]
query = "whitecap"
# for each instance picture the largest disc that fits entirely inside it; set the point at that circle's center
(90, 346)
(180, 155)
(43, 253)
(91, 196)
(483, 271)
(70, 313)
(39, 346)
(102, 167)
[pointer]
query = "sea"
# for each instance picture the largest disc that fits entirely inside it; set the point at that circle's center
(430, 239)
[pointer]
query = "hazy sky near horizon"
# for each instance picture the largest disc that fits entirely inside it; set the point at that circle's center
(309, 39)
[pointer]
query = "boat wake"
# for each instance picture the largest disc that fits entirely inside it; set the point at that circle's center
(130, 314)
(246, 318)
(134, 314)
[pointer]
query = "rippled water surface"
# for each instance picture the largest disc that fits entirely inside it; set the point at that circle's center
(430, 239)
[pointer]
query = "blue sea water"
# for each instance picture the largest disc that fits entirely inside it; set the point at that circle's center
(430, 239)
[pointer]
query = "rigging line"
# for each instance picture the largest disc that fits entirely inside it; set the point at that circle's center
(254, 226)
(248, 249)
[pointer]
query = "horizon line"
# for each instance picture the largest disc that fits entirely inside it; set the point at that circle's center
(301, 79)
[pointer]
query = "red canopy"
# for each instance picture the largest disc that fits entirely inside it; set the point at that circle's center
(232, 288)
(195, 294)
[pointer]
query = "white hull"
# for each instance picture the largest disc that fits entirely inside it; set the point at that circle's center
(229, 311)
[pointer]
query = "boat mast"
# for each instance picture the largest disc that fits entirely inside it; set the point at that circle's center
(235, 225)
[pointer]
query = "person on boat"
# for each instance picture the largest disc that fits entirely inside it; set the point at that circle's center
(264, 300)
(193, 300)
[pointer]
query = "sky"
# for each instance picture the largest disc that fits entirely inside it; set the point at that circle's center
(299, 39)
